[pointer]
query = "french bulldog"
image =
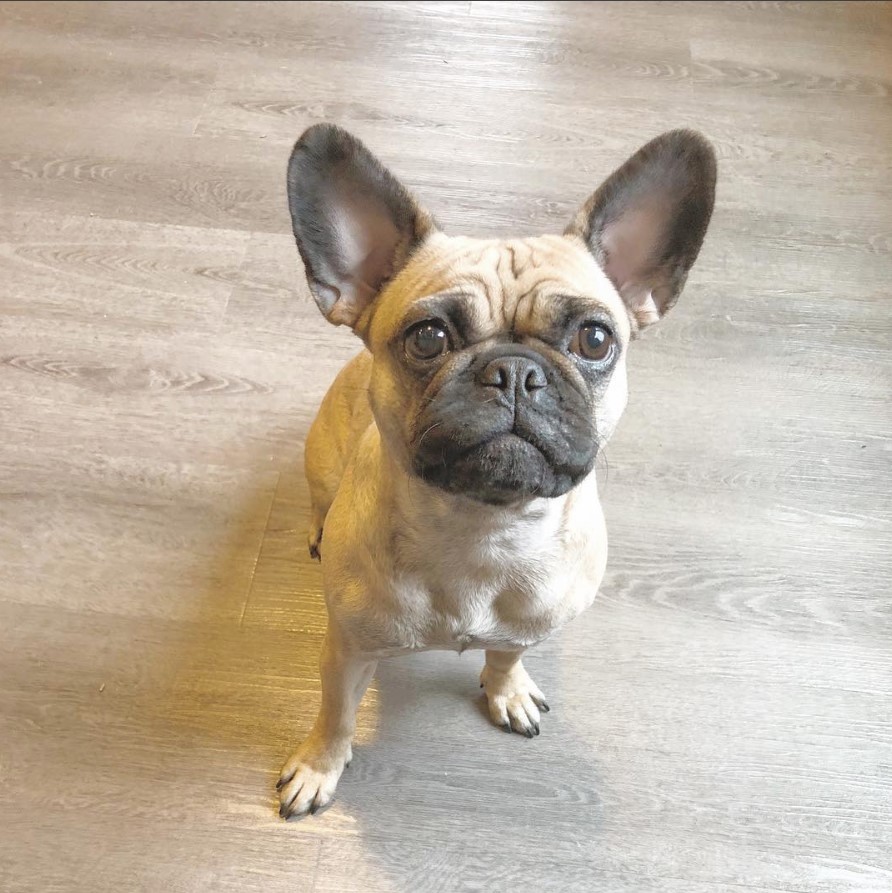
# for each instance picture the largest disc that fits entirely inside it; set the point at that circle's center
(450, 467)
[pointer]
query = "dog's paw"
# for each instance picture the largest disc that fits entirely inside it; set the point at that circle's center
(514, 700)
(309, 778)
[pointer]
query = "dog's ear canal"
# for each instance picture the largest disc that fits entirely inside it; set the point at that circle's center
(355, 223)
(646, 222)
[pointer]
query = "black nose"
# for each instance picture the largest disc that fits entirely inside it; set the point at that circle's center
(513, 374)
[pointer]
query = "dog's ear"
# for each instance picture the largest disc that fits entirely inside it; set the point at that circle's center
(646, 222)
(354, 222)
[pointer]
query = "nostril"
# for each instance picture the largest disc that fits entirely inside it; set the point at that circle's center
(495, 375)
(535, 379)
(513, 373)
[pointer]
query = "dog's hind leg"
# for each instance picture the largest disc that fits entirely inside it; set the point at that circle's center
(323, 477)
(314, 538)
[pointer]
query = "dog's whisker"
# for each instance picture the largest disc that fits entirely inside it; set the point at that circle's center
(426, 432)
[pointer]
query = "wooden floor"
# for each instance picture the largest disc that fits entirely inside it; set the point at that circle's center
(722, 717)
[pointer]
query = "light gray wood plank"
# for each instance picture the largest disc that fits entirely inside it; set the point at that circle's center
(722, 716)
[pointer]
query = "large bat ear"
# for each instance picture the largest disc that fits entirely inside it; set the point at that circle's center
(646, 223)
(355, 223)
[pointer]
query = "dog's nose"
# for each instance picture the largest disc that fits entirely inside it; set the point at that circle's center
(513, 374)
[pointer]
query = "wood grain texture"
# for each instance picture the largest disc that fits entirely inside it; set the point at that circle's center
(722, 717)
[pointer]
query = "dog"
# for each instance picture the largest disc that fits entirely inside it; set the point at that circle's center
(450, 466)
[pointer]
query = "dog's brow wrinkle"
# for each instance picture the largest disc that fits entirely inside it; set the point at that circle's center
(534, 312)
(512, 255)
(493, 307)
(535, 259)
(479, 279)
(538, 286)
(489, 264)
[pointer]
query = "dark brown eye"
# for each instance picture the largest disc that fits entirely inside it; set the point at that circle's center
(426, 341)
(593, 342)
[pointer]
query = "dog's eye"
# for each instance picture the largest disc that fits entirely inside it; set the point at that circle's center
(593, 342)
(426, 341)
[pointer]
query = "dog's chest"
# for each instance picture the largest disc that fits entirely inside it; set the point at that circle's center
(503, 590)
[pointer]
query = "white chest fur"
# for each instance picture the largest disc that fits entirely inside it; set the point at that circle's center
(429, 571)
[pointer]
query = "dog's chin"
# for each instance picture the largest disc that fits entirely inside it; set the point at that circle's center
(501, 471)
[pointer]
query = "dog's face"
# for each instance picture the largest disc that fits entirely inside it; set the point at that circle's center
(499, 366)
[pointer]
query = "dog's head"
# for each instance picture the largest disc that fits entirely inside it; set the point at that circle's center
(499, 366)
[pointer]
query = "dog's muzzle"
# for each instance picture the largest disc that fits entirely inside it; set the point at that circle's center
(507, 429)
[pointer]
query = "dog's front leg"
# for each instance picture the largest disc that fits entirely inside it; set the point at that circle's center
(514, 699)
(310, 776)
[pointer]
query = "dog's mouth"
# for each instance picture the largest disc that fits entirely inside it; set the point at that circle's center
(503, 469)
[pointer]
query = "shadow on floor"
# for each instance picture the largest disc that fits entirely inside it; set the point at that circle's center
(432, 782)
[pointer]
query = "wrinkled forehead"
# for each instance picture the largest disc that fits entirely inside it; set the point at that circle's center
(516, 286)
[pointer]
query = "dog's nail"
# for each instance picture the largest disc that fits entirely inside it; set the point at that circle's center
(283, 810)
(529, 732)
(544, 706)
(291, 812)
(286, 804)
(481, 685)
(506, 726)
(536, 728)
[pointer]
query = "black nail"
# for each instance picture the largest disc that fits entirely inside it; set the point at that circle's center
(529, 732)
(287, 803)
(283, 810)
(545, 707)
(506, 726)
(481, 685)
(536, 727)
